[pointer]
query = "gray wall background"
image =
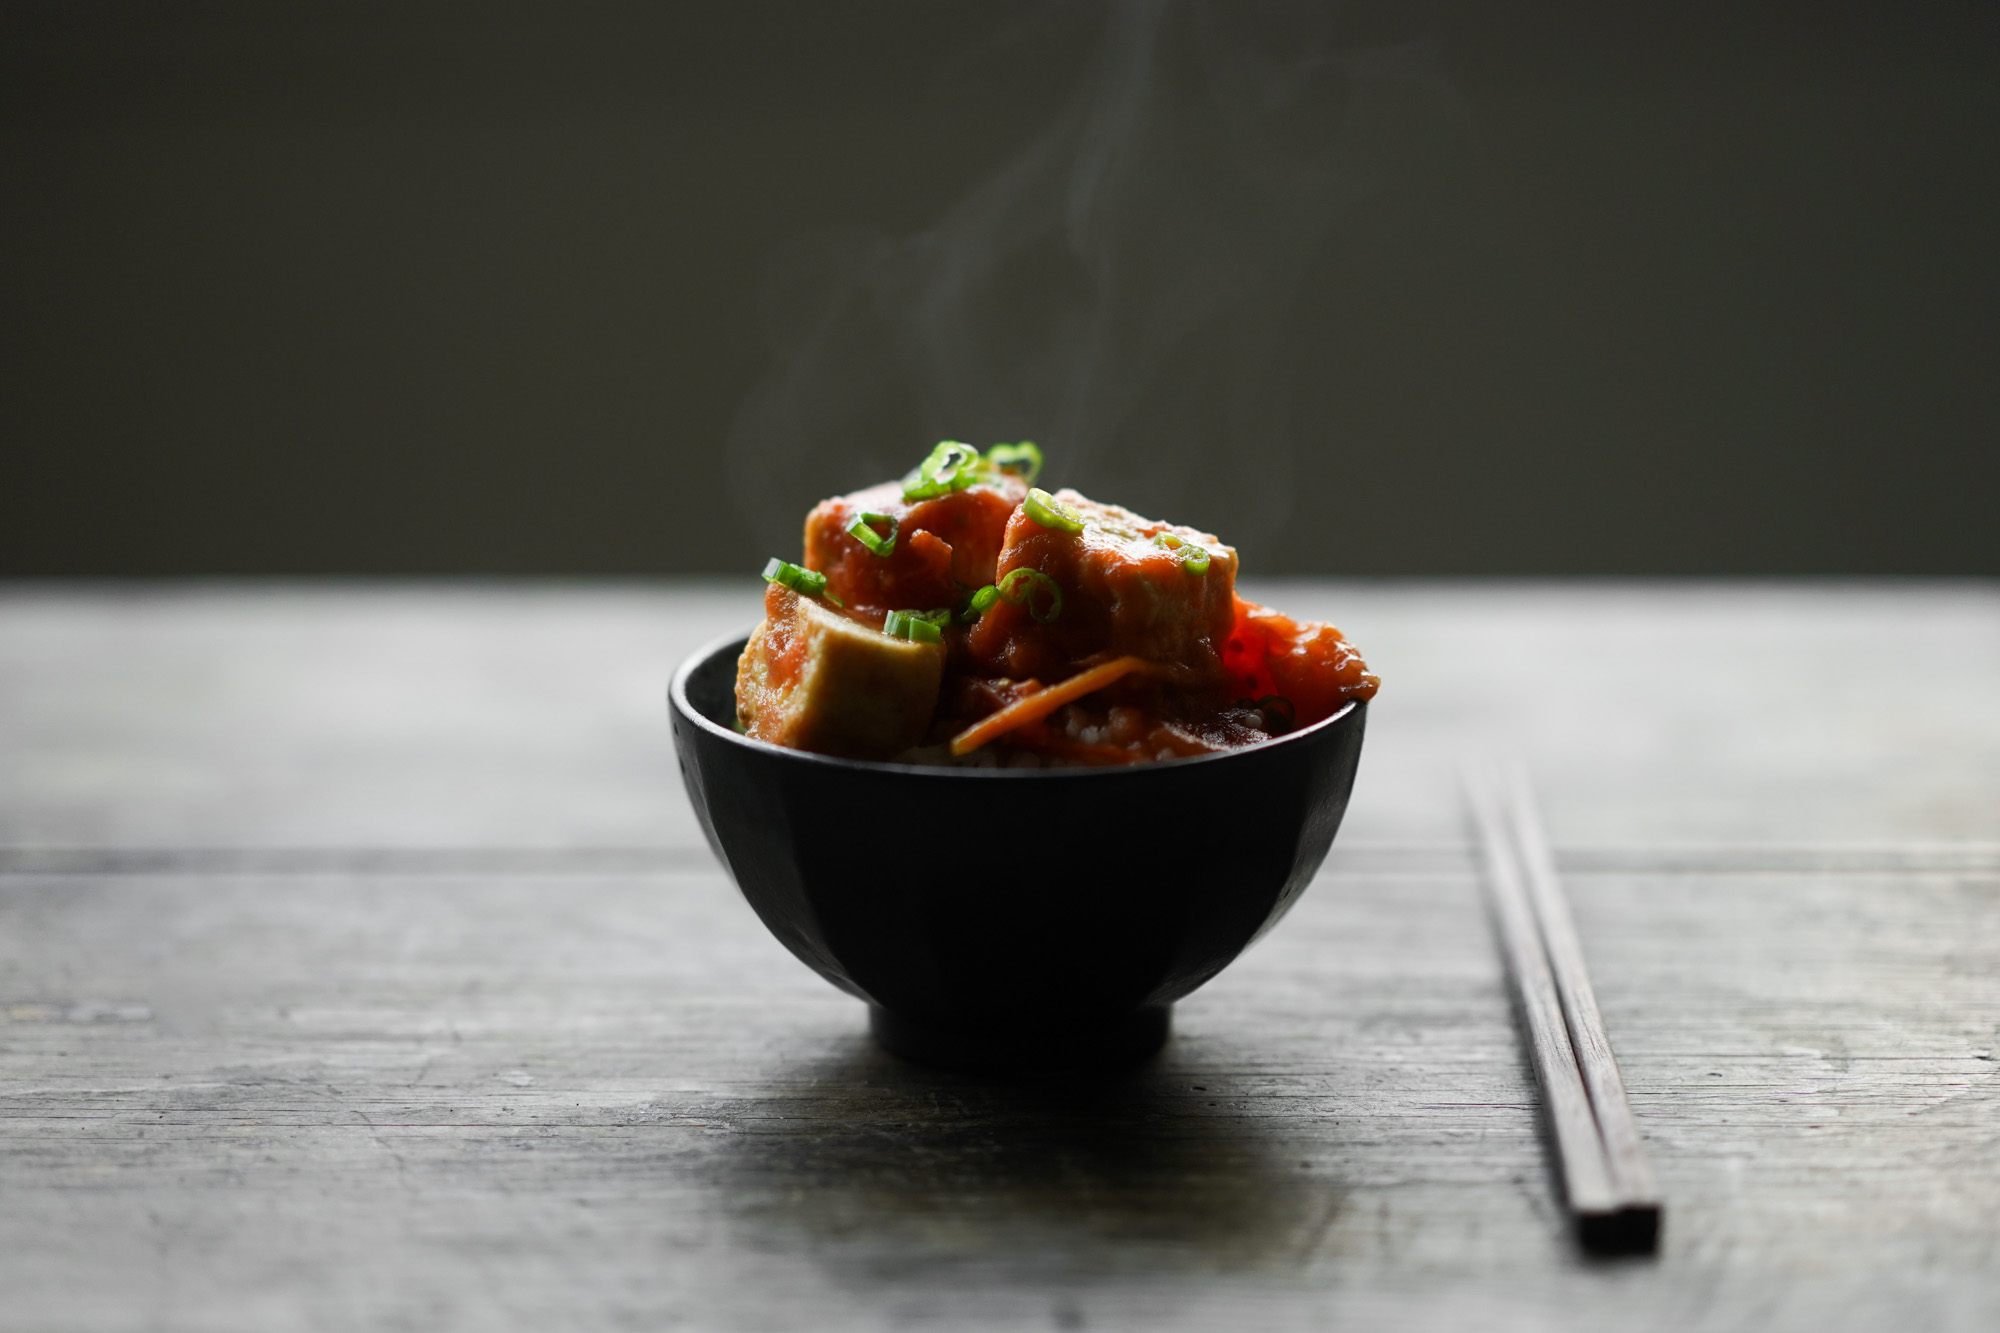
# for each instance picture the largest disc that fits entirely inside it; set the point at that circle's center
(1450, 288)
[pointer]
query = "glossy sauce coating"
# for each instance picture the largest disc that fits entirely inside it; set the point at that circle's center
(1123, 592)
(1218, 672)
(1307, 663)
(944, 546)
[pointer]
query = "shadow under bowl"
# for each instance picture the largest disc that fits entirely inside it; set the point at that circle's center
(1014, 920)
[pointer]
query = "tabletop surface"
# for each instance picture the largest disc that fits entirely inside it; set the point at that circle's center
(361, 965)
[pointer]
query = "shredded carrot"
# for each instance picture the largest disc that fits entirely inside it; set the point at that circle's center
(1041, 703)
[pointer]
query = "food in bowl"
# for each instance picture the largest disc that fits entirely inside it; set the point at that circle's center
(965, 616)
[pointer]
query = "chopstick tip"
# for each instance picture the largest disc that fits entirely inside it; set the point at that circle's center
(1631, 1230)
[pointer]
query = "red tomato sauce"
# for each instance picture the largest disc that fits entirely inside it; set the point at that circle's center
(1205, 670)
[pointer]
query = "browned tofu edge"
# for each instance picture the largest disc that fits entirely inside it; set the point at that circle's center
(859, 693)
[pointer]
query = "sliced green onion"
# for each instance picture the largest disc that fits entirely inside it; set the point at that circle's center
(1194, 559)
(1052, 513)
(951, 467)
(916, 626)
(1023, 459)
(797, 579)
(1021, 585)
(977, 604)
(862, 529)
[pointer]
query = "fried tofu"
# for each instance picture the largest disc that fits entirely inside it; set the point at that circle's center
(1127, 589)
(813, 679)
(945, 546)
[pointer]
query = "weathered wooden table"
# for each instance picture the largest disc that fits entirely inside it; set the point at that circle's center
(361, 966)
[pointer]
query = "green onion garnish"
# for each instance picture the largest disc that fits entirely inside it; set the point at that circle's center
(862, 529)
(977, 604)
(916, 626)
(797, 579)
(1052, 513)
(1023, 458)
(951, 467)
(1194, 559)
(1021, 585)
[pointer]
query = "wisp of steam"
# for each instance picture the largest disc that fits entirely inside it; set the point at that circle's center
(1116, 292)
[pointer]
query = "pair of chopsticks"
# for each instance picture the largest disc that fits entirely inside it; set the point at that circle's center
(1612, 1195)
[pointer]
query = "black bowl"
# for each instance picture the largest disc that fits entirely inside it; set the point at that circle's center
(1012, 918)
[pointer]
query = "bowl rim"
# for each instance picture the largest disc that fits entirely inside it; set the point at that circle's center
(677, 700)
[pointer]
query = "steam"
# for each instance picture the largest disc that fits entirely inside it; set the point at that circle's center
(1116, 292)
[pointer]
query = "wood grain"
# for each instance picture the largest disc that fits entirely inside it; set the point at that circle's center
(358, 969)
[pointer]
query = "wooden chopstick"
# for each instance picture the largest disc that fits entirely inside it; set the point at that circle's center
(1606, 1179)
(1631, 1173)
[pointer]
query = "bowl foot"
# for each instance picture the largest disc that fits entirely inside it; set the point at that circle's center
(1069, 1049)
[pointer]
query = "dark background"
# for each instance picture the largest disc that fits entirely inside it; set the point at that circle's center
(436, 288)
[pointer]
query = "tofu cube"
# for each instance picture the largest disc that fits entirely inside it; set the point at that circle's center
(945, 546)
(813, 679)
(1126, 589)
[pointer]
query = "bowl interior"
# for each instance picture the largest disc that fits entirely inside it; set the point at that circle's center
(707, 683)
